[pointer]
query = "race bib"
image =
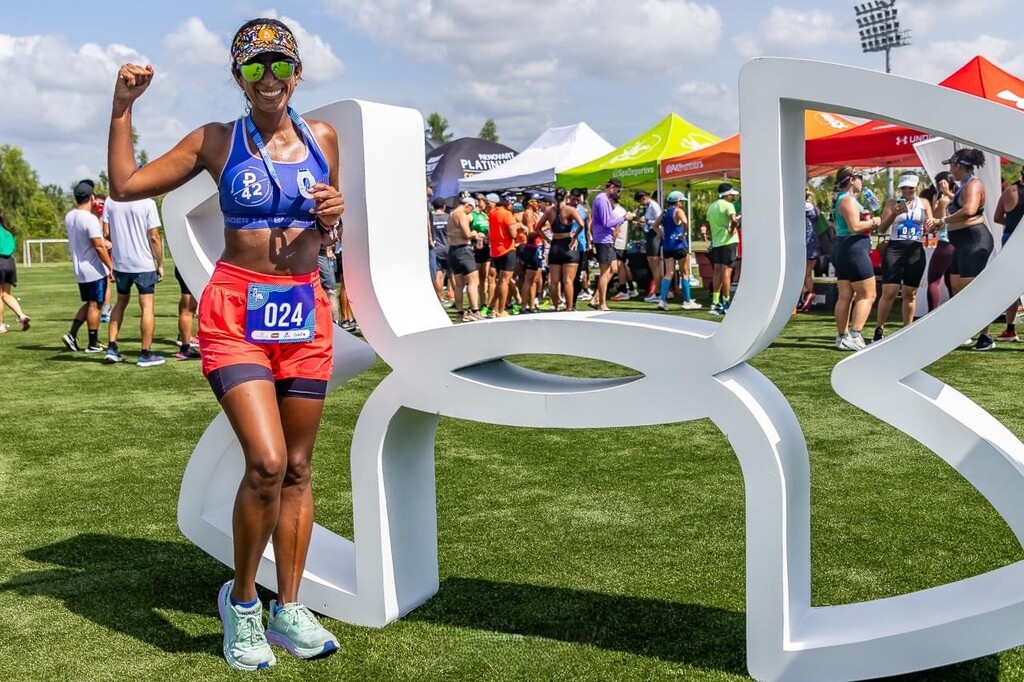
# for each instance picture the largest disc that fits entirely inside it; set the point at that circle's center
(909, 230)
(277, 313)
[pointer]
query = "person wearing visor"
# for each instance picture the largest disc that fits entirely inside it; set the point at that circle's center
(965, 221)
(855, 274)
(267, 362)
(725, 225)
(904, 261)
(673, 231)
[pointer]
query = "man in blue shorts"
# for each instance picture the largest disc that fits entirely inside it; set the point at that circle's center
(91, 264)
(134, 228)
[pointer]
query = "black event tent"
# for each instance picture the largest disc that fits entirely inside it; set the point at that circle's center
(463, 158)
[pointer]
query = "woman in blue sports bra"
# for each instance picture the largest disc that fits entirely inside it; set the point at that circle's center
(264, 319)
(965, 221)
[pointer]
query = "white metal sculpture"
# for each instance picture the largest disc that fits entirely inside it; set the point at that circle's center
(390, 567)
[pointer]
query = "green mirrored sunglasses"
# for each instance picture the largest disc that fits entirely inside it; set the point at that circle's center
(253, 71)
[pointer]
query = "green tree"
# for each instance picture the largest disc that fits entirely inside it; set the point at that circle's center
(489, 131)
(103, 184)
(437, 128)
(18, 184)
(1010, 172)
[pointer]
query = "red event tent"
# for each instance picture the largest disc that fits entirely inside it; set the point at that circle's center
(877, 143)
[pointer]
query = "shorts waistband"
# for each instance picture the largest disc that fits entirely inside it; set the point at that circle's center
(235, 277)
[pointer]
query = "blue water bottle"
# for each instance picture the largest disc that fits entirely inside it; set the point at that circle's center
(871, 200)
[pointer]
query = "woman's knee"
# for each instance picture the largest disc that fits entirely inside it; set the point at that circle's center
(266, 469)
(299, 471)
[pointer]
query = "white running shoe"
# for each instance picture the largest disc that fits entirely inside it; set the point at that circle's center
(294, 628)
(653, 298)
(691, 305)
(662, 305)
(850, 343)
(245, 642)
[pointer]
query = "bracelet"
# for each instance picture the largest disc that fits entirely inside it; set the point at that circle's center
(324, 227)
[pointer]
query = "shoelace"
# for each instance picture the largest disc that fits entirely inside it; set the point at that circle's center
(250, 629)
(302, 617)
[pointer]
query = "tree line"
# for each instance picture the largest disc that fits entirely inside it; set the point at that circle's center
(437, 129)
(35, 210)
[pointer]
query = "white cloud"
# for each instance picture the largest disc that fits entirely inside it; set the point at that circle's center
(61, 114)
(921, 16)
(712, 106)
(580, 38)
(787, 32)
(519, 62)
(934, 61)
(192, 44)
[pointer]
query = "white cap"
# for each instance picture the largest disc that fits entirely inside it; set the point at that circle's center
(468, 200)
(908, 180)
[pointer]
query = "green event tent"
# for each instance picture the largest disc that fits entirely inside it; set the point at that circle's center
(637, 162)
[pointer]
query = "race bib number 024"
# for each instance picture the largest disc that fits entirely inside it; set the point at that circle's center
(278, 313)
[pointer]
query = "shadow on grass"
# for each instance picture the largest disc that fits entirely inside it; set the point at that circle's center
(123, 584)
(701, 636)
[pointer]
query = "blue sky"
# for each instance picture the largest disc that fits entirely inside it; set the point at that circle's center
(528, 64)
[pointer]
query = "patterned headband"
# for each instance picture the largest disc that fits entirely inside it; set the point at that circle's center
(261, 38)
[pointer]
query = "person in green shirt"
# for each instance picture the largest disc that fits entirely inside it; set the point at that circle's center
(724, 222)
(480, 223)
(9, 277)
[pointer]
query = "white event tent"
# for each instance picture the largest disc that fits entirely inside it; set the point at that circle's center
(555, 150)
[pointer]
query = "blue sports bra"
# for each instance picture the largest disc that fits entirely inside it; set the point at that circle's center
(250, 199)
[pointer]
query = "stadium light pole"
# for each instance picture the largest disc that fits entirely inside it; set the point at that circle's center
(880, 31)
(879, 28)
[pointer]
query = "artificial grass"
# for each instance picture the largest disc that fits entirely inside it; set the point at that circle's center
(584, 554)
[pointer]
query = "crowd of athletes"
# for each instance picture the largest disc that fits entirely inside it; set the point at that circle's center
(493, 255)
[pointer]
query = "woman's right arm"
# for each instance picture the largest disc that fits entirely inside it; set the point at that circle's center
(889, 214)
(169, 171)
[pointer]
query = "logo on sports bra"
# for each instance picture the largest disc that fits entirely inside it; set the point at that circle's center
(250, 187)
(305, 180)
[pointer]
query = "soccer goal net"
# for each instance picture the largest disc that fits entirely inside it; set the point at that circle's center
(37, 251)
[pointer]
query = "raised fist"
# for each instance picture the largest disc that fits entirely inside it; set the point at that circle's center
(132, 81)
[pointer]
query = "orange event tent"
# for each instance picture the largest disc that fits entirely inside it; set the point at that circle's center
(877, 143)
(724, 157)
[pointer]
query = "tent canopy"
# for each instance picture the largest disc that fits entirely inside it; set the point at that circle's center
(556, 149)
(714, 161)
(877, 143)
(637, 162)
(463, 158)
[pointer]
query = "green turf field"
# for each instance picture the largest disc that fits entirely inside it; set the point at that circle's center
(597, 554)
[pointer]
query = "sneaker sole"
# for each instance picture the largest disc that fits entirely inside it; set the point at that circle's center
(221, 599)
(150, 364)
(279, 640)
(107, 360)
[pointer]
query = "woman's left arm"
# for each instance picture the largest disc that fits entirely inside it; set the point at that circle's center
(329, 203)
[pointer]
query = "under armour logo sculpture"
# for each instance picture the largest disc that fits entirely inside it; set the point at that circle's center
(390, 567)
